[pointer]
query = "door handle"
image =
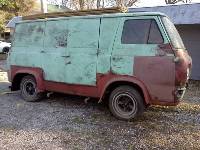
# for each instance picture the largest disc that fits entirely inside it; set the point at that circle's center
(65, 56)
(67, 63)
(42, 52)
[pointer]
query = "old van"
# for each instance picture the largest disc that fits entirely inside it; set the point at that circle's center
(133, 60)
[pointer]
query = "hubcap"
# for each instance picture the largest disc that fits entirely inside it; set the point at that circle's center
(30, 88)
(125, 104)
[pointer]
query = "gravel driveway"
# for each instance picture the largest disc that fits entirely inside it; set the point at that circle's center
(66, 122)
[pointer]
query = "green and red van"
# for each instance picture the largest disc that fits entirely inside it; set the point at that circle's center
(132, 60)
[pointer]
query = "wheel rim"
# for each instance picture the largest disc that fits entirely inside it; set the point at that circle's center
(29, 88)
(125, 104)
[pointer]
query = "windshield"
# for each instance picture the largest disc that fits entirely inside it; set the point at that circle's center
(173, 33)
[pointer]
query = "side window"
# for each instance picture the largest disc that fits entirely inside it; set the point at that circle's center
(141, 31)
(135, 31)
(155, 36)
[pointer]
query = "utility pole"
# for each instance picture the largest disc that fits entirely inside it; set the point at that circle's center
(43, 6)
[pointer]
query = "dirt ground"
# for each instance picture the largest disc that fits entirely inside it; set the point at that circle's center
(66, 122)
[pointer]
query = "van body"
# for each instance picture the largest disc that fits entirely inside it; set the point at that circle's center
(136, 59)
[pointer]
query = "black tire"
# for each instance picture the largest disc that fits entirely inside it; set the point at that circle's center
(28, 89)
(5, 50)
(126, 103)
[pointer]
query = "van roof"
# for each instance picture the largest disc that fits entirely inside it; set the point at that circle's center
(94, 13)
(114, 15)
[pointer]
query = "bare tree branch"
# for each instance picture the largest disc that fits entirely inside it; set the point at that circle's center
(93, 4)
(176, 1)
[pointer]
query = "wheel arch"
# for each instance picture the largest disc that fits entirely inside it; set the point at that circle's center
(17, 80)
(106, 90)
(17, 73)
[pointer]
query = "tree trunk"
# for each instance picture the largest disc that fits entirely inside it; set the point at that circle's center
(98, 4)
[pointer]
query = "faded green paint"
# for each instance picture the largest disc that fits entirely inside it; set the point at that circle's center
(74, 49)
(55, 45)
(82, 47)
(108, 31)
(72, 56)
(27, 44)
(122, 60)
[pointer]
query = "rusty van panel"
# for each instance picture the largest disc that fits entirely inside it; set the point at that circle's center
(17, 71)
(158, 74)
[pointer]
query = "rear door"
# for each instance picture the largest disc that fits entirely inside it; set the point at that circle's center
(54, 52)
(136, 52)
(82, 46)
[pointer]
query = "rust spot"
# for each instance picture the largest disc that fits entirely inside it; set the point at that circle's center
(40, 29)
(61, 39)
(117, 58)
(31, 28)
(164, 49)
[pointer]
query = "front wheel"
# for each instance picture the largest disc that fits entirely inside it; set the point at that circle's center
(126, 103)
(28, 89)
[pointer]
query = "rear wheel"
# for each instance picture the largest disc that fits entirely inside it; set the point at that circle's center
(28, 89)
(126, 103)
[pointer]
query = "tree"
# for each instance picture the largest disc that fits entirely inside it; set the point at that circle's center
(16, 6)
(94, 4)
(10, 8)
(176, 1)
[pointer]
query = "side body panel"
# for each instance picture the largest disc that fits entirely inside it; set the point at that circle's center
(103, 81)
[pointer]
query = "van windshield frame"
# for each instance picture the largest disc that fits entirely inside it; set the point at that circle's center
(173, 33)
